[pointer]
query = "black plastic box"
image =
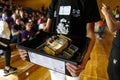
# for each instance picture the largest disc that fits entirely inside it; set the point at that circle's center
(54, 62)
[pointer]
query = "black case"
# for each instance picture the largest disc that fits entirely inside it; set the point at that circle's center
(37, 56)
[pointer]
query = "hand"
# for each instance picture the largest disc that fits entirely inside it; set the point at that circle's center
(23, 54)
(45, 29)
(105, 9)
(74, 70)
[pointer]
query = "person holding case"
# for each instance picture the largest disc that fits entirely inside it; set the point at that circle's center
(114, 58)
(63, 16)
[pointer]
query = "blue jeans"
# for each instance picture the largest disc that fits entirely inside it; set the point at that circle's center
(101, 32)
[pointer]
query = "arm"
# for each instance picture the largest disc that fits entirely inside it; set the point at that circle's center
(14, 31)
(47, 28)
(76, 70)
(112, 23)
(91, 35)
(50, 15)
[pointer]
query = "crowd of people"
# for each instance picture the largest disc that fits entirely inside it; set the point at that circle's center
(17, 24)
(17, 17)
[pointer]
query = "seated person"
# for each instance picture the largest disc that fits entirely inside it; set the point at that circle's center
(27, 33)
(16, 31)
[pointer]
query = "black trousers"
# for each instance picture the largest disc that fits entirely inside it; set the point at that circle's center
(114, 63)
(7, 53)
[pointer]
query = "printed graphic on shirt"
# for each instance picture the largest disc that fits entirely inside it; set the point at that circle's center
(63, 26)
(114, 61)
(76, 13)
(65, 10)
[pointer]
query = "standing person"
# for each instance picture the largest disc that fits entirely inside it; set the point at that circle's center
(4, 45)
(117, 13)
(101, 28)
(75, 18)
(114, 58)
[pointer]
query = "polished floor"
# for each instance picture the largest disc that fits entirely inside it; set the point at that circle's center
(96, 68)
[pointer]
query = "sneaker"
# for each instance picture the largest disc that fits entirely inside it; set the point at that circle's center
(10, 71)
(100, 38)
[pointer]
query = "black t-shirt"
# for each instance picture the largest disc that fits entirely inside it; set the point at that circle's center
(116, 40)
(70, 17)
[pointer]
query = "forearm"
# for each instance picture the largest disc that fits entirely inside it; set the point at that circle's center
(88, 52)
(16, 33)
(112, 23)
(47, 28)
(91, 35)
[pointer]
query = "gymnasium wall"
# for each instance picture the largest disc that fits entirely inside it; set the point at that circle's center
(37, 4)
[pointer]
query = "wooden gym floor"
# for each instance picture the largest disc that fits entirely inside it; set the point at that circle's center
(96, 68)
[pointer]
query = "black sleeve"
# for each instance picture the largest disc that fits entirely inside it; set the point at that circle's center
(91, 11)
(51, 9)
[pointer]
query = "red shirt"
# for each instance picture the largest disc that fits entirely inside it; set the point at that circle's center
(101, 23)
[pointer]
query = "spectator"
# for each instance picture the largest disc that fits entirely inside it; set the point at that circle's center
(102, 25)
(27, 33)
(114, 58)
(16, 31)
(4, 45)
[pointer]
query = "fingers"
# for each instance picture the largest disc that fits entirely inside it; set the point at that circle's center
(103, 5)
(74, 70)
(21, 51)
(23, 54)
(24, 57)
(105, 9)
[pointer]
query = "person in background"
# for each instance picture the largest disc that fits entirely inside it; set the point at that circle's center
(114, 58)
(116, 12)
(16, 31)
(27, 33)
(5, 45)
(63, 16)
(102, 25)
(42, 22)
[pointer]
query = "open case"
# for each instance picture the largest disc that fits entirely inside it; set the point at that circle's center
(53, 51)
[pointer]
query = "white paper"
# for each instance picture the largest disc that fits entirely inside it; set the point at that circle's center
(47, 62)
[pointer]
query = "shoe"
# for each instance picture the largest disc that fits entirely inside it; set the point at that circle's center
(100, 38)
(10, 71)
